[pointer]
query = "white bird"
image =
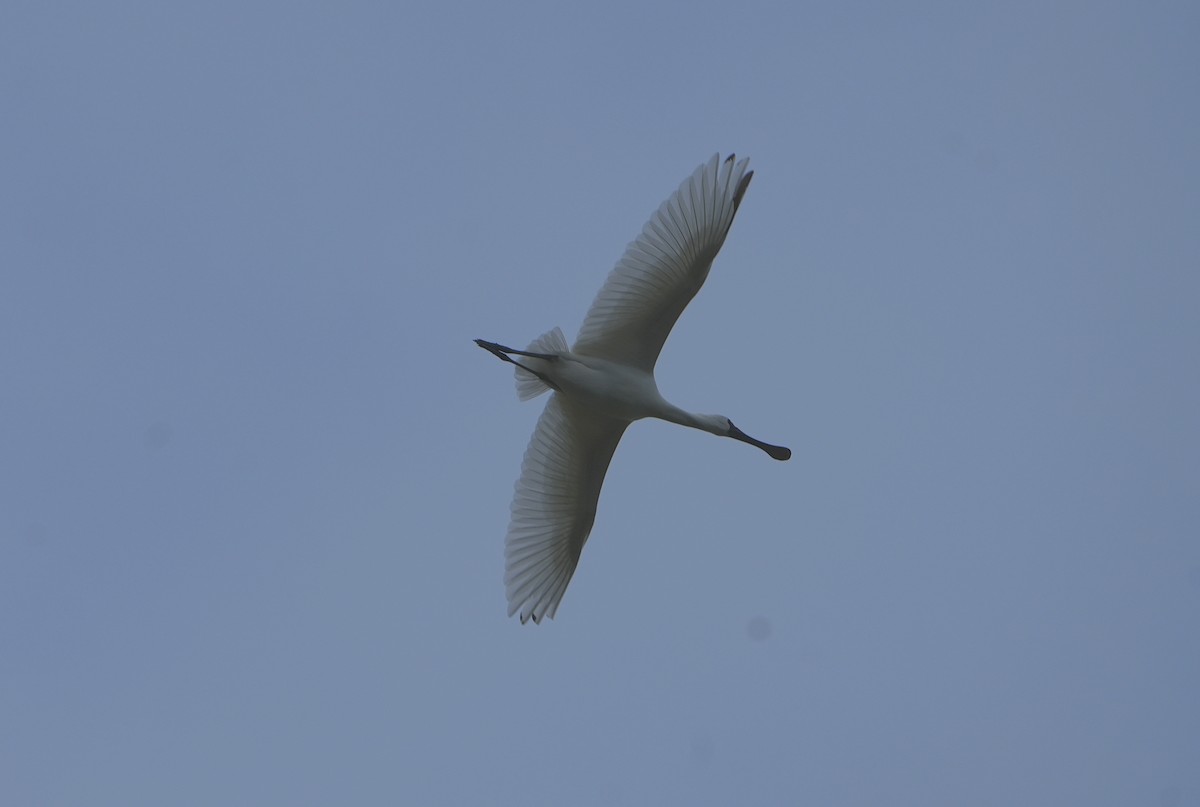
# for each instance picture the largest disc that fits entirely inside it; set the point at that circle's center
(606, 381)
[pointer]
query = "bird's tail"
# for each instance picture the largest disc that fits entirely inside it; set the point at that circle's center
(528, 384)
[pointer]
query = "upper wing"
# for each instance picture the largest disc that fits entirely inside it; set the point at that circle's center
(666, 265)
(555, 504)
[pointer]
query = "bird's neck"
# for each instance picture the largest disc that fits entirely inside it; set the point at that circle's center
(673, 414)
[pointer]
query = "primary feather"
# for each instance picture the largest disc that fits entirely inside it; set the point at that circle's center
(555, 504)
(664, 267)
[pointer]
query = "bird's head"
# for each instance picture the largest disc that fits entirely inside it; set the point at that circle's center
(723, 427)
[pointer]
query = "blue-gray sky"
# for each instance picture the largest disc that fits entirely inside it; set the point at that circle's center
(255, 475)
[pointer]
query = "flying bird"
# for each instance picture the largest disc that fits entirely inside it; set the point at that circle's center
(606, 381)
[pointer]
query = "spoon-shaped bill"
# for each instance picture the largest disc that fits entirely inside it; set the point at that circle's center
(774, 452)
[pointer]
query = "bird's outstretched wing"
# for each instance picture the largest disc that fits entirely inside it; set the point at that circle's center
(666, 265)
(555, 504)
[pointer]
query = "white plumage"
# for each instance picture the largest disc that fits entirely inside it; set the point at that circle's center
(606, 381)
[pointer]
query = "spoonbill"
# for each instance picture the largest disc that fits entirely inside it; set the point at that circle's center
(606, 381)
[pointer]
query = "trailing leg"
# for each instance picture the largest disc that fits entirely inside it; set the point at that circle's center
(524, 389)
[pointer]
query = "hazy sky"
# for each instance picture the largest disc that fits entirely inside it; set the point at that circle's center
(255, 476)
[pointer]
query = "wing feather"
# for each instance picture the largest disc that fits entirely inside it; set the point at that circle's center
(664, 267)
(555, 504)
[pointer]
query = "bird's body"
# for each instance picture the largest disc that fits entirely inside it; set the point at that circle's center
(618, 390)
(606, 381)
